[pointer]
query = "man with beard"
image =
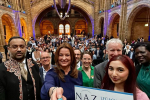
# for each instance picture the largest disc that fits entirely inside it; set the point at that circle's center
(19, 77)
(77, 53)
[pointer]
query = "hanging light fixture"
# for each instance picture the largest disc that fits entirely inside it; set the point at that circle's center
(62, 4)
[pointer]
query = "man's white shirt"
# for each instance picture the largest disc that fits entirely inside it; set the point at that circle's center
(44, 72)
(78, 65)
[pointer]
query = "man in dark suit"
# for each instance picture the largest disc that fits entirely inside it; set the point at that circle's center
(103, 41)
(45, 37)
(98, 53)
(77, 53)
(19, 77)
(113, 48)
(45, 60)
(131, 54)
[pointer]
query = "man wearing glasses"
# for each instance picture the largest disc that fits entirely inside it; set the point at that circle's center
(77, 53)
(19, 77)
(45, 60)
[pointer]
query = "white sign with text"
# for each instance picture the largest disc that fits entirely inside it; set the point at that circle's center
(87, 93)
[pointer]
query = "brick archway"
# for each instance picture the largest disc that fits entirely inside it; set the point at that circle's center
(24, 28)
(132, 16)
(41, 6)
(101, 26)
(9, 27)
(111, 21)
(46, 27)
(81, 26)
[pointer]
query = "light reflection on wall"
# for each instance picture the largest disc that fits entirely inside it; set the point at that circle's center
(17, 22)
(33, 27)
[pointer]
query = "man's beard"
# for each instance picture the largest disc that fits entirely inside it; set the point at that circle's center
(18, 59)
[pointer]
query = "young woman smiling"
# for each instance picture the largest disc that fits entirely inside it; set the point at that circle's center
(86, 69)
(120, 76)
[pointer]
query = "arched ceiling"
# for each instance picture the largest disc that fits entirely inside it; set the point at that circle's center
(86, 17)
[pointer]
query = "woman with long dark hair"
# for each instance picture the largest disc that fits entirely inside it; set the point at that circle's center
(121, 76)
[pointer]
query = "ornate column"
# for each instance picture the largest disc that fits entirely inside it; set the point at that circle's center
(18, 24)
(101, 4)
(106, 23)
(96, 11)
(123, 20)
(29, 19)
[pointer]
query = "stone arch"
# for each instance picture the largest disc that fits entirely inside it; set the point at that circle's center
(8, 27)
(82, 25)
(24, 28)
(74, 23)
(131, 18)
(46, 27)
(38, 9)
(113, 29)
(137, 7)
(101, 25)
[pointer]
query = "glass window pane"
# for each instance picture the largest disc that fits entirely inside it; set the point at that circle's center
(61, 28)
(67, 28)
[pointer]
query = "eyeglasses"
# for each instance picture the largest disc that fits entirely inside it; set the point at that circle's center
(45, 57)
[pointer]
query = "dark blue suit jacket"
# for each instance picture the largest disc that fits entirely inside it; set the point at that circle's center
(133, 56)
(41, 74)
(100, 53)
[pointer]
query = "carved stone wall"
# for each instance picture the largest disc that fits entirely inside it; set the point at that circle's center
(44, 4)
(127, 10)
(8, 18)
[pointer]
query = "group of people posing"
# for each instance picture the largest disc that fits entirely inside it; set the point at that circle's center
(28, 79)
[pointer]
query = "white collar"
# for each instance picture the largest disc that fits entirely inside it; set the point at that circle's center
(24, 61)
(44, 68)
(78, 64)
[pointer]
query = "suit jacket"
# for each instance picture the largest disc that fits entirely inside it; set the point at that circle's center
(133, 56)
(100, 53)
(99, 72)
(41, 74)
(11, 80)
